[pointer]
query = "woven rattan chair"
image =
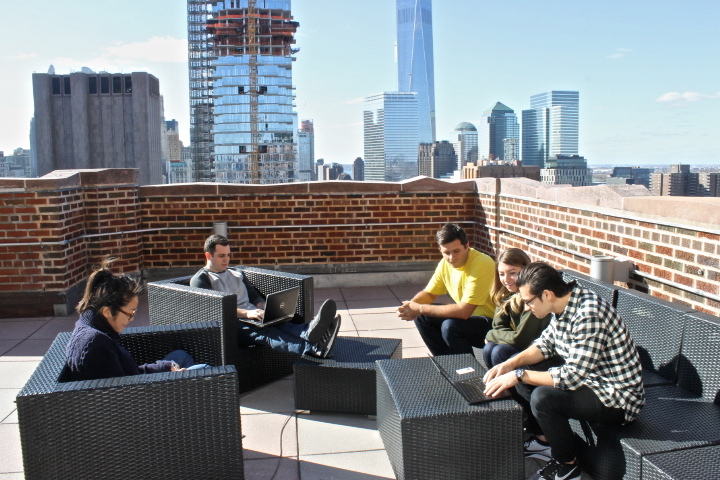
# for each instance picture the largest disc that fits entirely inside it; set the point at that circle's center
(174, 301)
(675, 417)
(174, 425)
(604, 290)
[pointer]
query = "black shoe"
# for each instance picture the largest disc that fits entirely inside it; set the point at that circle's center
(323, 348)
(555, 470)
(322, 321)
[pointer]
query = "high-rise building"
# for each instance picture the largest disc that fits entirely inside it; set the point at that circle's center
(390, 131)
(465, 142)
(98, 120)
(178, 169)
(416, 71)
(242, 122)
(306, 152)
(437, 159)
(359, 170)
(498, 123)
(682, 182)
(550, 127)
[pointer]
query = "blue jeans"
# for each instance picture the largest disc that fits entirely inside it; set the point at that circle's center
(448, 336)
(496, 353)
(284, 337)
(184, 359)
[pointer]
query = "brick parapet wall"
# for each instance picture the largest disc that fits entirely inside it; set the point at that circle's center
(81, 216)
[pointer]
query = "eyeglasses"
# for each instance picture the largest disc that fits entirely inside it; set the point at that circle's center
(129, 315)
(529, 301)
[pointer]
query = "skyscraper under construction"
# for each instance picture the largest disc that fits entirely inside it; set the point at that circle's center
(243, 125)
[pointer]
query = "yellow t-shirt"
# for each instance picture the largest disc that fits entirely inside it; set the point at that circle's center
(470, 283)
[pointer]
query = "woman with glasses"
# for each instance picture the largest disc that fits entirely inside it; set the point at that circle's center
(107, 307)
(514, 327)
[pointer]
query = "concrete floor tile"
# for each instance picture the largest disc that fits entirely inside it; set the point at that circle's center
(269, 434)
(16, 374)
(275, 397)
(53, 327)
(271, 468)
(20, 330)
(12, 476)
(369, 465)
(29, 350)
(367, 293)
(6, 345)
(336, 433)
(380, 321)
(405, 292)
(328, 292)
(372, 306)
(7, 402)
(10, 453)
(414, 352)
(12, 418)
(410, 337)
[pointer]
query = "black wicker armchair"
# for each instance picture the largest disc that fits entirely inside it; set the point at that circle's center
(174, 425)
(174, 301)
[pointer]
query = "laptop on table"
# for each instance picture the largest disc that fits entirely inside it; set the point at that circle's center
(279, 307)
(471, 387)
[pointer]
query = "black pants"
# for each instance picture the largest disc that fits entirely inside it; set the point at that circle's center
(448, 336)
(551, 409)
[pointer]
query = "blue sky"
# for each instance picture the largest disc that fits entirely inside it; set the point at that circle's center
(647, 71)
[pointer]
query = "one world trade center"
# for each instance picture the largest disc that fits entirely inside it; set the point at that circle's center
(415, 60)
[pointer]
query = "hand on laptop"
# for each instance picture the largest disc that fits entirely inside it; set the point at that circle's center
(256, 314)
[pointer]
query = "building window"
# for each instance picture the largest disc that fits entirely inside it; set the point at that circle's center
(66, 85)
(117, 84)
(56, 85)
(92, 85)
(128, 84)
(104, 84)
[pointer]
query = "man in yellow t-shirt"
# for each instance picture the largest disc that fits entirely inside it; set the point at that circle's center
(467, 276)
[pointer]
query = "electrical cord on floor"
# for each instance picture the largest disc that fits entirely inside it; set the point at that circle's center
(282, 431)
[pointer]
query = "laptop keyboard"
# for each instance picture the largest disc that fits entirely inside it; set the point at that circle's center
(471, 389)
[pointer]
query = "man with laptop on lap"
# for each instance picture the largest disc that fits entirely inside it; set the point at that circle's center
(314, 339)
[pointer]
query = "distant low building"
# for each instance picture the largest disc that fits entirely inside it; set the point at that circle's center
(359, 170)
(566, 170)
(630, 176)
(681, 182)
(19, 164)
(500, 171)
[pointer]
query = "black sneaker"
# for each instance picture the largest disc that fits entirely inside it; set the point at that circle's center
(534, 449)
(322, 321)
(323, 348)
(555, 470)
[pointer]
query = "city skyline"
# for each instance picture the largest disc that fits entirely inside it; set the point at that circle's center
(649, 91)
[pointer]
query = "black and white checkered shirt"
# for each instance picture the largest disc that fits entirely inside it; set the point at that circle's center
(598, 352)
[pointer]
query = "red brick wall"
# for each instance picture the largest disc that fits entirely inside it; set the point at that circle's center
(94, 213)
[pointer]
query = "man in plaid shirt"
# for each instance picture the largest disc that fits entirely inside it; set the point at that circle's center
(584, 366)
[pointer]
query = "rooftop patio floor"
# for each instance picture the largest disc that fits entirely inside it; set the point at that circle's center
(278, 442)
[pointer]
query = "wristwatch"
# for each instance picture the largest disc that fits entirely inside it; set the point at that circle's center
(519, 372)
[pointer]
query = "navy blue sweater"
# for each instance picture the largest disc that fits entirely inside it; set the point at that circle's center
(94, 351)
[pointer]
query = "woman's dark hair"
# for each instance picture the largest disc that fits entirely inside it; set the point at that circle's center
(499, 293)
(105, 289)
(539, 276)
(449, 233)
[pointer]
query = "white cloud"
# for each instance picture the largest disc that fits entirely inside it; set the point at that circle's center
(686, 97)
(22, 56)
(619, 53)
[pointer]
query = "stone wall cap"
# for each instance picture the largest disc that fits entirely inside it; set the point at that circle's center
(427, 184)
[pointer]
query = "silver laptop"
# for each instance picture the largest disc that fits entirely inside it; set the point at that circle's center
(279, 307)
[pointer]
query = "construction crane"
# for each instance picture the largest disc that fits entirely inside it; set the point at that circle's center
(253, 49)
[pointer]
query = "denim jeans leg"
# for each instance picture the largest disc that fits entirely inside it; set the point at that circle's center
(460, 335)
(280, 339)
(181, 357)
(429, 329)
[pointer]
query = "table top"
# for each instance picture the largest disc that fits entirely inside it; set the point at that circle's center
(356, 352)
(420, 391)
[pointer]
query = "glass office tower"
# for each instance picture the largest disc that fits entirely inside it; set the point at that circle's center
(498, 123)
(550, 126)
(415, 60)
(241, 90)
(390, 130)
